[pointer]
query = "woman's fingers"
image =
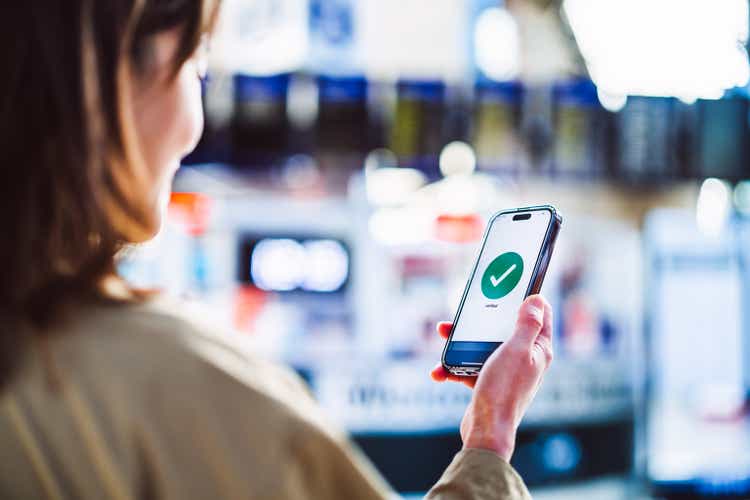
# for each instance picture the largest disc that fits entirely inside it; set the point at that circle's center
(543, 342)
(440, 374)
(530, 322)
(444, 328)
(469, 382)
(548, 321)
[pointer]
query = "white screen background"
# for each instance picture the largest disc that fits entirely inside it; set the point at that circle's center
(479, 323)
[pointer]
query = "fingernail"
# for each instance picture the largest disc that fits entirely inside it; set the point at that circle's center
(536, 312)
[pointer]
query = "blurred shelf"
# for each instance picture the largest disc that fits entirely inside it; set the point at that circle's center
(608, 199)
(589, 196)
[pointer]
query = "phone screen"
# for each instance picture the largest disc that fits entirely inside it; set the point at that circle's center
(498, 285)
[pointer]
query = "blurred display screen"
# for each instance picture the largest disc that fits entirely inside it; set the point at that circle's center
(695, 337)
(697, 430)
(724, 138)
(282, 264)
(576, 107)
(645, 139)
(497, 113)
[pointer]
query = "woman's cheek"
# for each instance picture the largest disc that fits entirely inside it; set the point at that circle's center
(191, 108)
(179, 129)
(187, 127)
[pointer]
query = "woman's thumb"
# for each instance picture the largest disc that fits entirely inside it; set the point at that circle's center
(529, 323)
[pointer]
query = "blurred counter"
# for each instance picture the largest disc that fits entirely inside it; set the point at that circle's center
(345, 281)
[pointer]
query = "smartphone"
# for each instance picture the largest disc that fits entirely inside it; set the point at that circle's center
(513, 259)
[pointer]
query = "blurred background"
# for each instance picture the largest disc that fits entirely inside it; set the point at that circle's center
(352, 153)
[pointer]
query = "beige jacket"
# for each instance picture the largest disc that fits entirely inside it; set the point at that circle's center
(138, 402)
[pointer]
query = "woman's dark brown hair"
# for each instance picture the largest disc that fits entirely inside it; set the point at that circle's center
(69, 176)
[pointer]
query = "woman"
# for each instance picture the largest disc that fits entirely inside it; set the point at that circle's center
(109, 392)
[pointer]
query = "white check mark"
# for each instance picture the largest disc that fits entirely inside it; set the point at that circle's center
(497, 281)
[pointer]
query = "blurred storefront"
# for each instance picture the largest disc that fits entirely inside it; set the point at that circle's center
(354, 150)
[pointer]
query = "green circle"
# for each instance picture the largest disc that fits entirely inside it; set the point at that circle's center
(502, 275)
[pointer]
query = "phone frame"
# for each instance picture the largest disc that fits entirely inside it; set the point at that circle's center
(535, 283)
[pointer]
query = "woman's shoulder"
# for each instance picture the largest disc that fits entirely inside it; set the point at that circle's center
(156, 373)
(158, 326)
(166, 347)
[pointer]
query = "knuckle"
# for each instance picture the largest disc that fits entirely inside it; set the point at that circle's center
(546, 347)
(549, 356)
(530, 320)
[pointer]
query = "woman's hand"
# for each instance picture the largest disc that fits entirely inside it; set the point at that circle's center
(508, 381)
